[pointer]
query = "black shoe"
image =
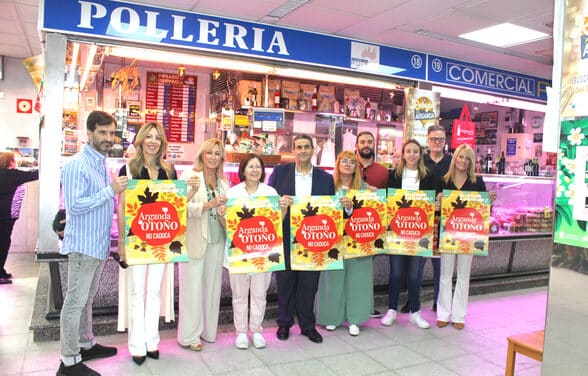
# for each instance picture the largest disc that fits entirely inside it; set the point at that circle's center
(283, 333)
(97, 351)
(153, 354)
(78, 369)
(5, 281)
(313, 335)
(405, 308)
(6, 275)
(139, 360)
(434, 307)
(376, 314)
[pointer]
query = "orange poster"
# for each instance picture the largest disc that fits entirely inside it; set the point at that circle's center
(365, 230)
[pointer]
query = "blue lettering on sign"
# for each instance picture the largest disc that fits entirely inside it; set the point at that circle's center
(583, 47)
(511, 147)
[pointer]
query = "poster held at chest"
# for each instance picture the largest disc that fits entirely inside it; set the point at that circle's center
(465, 219)
(365, 231)
(254, 235)
(155, 221)
(411, 228)
(316, 225)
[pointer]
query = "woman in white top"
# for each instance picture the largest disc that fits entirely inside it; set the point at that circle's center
(251, 176)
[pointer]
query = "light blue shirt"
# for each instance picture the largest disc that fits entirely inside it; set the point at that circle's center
(303, 183)
(89, 204)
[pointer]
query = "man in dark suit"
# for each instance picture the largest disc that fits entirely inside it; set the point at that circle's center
(297, 289)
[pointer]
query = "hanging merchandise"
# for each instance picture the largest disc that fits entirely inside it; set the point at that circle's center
(464, 129)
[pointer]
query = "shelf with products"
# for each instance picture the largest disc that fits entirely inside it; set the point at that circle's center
(523, 207)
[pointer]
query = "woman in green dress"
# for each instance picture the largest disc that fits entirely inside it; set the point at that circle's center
(346, 296)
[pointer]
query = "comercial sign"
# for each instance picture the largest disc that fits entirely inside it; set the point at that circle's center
(159, 27)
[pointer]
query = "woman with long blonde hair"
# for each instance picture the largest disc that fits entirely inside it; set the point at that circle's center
(461, 176)
(346, 296)
(201, 276)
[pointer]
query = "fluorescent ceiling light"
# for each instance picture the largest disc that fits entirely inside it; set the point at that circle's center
(89, 62)
(469, 96)
(505, 35)
(287, 8)
(245, 66)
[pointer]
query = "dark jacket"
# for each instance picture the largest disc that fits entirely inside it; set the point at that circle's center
(11, 179)
(425, 184)
(478, 186)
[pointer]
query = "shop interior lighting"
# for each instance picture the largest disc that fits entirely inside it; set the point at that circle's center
(468, 96)
(74, 56)
(287, 8)
(233, 65)
(216, 75)
(505, 35)
(89, 62)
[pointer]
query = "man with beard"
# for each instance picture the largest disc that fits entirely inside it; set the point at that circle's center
(88, 195)
(372, 172)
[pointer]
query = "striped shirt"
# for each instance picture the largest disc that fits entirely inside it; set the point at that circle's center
(89, 204)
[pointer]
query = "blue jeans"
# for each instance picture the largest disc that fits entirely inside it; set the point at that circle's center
(397, 266)
(83, 275)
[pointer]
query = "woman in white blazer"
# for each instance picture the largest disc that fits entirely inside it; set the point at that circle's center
(201, 277)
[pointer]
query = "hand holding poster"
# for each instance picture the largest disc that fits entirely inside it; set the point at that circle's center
(365, 230)
(316, 225)
(254, 235)
(465, 218)
(411, 227)
(155, 221)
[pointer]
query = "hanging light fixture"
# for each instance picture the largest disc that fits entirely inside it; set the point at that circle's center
(216, 74)
(181, 70)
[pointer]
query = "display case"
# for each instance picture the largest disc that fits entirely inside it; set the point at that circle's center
(523, 207)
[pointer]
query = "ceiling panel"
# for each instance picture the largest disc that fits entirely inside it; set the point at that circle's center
(388, 22)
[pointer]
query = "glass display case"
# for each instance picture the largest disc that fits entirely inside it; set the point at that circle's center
(523, 207)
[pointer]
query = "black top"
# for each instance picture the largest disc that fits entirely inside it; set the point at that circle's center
(11, 178)
(438, 169)
(145, 174)
(467, 186)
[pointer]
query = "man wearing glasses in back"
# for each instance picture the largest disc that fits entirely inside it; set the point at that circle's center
(372, 172)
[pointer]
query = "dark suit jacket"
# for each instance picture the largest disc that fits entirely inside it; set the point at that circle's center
(425, 184)
(283, 180)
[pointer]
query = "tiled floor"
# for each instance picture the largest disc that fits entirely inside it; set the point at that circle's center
(402, 349)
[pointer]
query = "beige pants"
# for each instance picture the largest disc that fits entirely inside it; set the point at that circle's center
(242, 285)
(200, 289)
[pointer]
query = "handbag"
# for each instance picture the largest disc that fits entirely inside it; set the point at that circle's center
(464, 129)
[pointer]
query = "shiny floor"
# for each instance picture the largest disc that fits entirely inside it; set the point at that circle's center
(401, 349)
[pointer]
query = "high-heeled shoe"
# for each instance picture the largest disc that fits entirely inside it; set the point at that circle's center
(153, 354)
(139, 360)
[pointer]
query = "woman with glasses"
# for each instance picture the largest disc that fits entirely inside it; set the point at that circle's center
(410, 174)
(346, 296)
(461, 176)
(251, 177)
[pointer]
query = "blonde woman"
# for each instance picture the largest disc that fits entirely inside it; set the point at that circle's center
(461, 176)
(201, 277)
(346, 296)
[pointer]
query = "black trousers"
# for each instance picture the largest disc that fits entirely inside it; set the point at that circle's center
(6, 226)
(296, 292)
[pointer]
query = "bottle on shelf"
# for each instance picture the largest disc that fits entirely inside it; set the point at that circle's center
(368, 109)
(501, 164)
(314, 100)
(277, 97)
(489, 162)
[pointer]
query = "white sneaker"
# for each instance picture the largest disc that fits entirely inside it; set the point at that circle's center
(258, 340)
(330, 328)
(353, 330)
(242, 342)
(418, 320)
(389, 318)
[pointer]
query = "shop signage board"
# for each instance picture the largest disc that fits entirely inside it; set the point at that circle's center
(423, 108)
(129, 22)
(254, 235)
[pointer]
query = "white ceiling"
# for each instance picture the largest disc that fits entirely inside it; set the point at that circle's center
(420, 25)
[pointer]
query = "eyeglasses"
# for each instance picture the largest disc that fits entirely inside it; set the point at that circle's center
(303, 147)
(437, 139)
(350, 162)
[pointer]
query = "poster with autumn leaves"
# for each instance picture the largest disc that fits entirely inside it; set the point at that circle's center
(365, 231)
(254, 235)
(411, 229)
(464, 223)
(155, 221)
(316, 228)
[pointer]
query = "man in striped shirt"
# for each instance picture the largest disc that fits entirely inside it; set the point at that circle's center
(88, 196)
